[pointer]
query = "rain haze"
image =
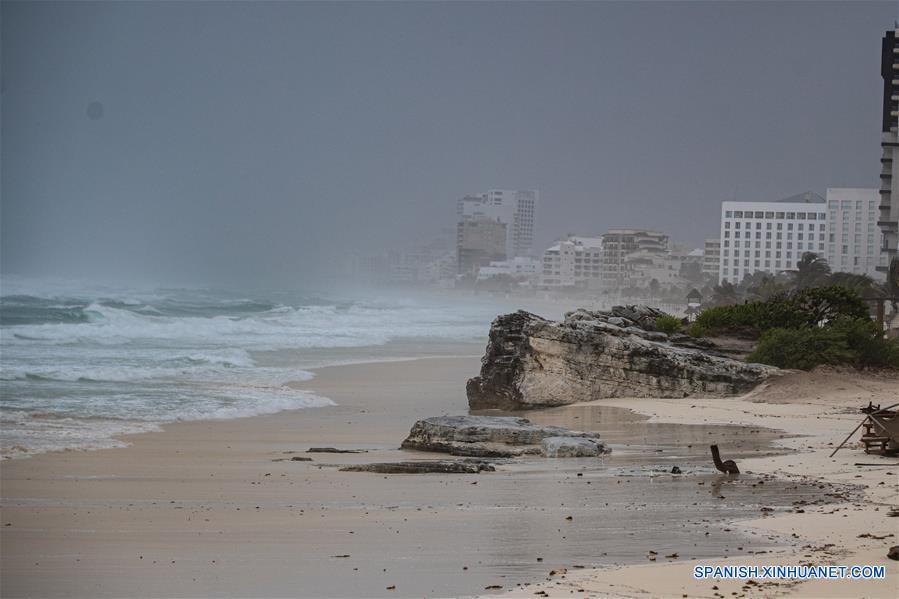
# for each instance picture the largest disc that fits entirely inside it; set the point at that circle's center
(231, 143)
(448, 299)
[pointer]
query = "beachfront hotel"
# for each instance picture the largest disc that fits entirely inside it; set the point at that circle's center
(711, 258)
(853, 239)
(889, 173)
(770, 236)
(573, 262)
(626, 250)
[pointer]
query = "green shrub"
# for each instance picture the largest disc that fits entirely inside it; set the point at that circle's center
(805, 307)
(697, 330)
(802, 348)
(668, 324)
(867, 343)
(854, 341)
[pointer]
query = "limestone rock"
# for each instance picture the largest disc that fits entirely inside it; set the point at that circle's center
(571, 447)
(533, 362)
(423, 467)
(486, 436)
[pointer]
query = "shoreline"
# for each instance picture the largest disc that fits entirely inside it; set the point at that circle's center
(818, 422)
(231, 453)
(375, 354)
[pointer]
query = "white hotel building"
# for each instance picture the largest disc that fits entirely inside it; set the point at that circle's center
(770, 236)
(853, 239)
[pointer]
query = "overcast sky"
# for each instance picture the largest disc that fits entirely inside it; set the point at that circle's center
(229, 141)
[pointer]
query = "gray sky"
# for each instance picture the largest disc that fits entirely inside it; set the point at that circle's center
(240, 141)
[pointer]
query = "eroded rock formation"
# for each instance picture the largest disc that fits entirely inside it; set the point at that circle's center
(498, 436)
(423, 467)
(532, 362)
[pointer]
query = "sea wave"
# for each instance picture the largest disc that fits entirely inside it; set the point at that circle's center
(81, 366)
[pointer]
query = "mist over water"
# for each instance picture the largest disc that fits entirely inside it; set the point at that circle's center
(82, 365)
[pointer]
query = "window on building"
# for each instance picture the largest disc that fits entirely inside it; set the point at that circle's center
(780, 215)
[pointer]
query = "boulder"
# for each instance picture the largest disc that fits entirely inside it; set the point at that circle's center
(486, 436)
(571, 447)
(423, 467)
(533, 362)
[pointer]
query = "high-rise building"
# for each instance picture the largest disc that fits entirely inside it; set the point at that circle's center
(853, 239)
(516, 208)
(480, 241)
(627, 249)
(711, 259)
(770, 236)
(889, 172)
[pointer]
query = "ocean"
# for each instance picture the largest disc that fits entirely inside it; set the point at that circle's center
(79, 366)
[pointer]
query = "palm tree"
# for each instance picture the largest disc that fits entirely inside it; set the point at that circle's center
(864, 285)
(724, 294)
(811, 271)
(767, 288)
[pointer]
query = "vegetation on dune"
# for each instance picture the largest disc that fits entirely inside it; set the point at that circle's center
(668, 324)
(856, 342)
(805, 327)
(804, 307)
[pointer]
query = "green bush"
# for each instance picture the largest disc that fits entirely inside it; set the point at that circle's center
(802, 348)
(697, 330)
(854, 341)
(805, 307)
(668, 324)
(867, 343)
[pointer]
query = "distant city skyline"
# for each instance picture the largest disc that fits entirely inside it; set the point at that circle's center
(253, 142)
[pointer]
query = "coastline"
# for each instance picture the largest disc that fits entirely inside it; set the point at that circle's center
(820, 408)
(148, 517)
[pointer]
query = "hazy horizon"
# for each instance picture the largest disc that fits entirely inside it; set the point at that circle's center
(257, 143)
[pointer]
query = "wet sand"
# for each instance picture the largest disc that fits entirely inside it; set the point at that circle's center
(819, 409)
(214, 509)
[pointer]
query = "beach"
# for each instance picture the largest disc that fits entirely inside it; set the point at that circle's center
(220, 508)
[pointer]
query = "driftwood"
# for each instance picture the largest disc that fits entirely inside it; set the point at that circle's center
(727, 466)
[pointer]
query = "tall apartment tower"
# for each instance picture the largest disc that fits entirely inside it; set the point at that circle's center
(516, 208)
(853, 239)
(889, 173)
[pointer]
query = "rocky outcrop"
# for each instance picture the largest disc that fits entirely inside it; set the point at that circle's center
(572, 447)
(423, 467)
(492, 436)
(533, 362)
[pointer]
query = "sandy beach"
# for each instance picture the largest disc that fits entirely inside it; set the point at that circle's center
(822, 407)
(219, 508)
